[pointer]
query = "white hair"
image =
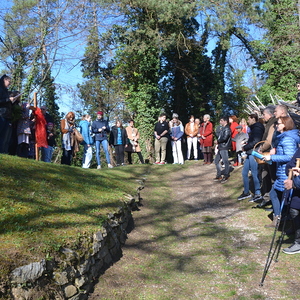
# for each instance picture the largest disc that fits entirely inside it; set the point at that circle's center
(207, 116)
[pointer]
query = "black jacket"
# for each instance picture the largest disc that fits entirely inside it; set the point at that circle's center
(224, 138)
(5, 103)
(256, 133)
(114, 136)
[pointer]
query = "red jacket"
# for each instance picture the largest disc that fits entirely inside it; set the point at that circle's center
(206, 129)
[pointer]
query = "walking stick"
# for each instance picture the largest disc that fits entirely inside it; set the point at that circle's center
(287, 195)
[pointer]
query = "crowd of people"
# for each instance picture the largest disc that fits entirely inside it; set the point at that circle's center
(266, 145)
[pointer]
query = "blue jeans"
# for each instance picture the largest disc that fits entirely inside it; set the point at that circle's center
(105, 148)
(47, 154)
(276, 196)
(251, 164)
(222, 154)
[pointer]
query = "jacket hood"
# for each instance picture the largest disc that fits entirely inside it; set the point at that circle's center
(294, 133)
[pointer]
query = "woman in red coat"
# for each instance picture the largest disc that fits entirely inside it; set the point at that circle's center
(233, 123)
(206, 139)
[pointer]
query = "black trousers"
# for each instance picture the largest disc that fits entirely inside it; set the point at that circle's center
(140, 157)
(120, 154)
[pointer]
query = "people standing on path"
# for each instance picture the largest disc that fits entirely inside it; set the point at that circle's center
(191, 131)
(224, 145)
(206, 139)
(101, 130)
(118, 139)
(87, 142)
(161, 131)
(256, 133)
(133, 145)
(176, 133)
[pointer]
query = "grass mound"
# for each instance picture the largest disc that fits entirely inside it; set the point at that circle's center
(45, 206)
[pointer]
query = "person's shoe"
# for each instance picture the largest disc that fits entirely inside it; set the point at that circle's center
(162, 163)
(256, 198)
(218, 179)
(293, 249)
(243, 196)
(236, 164)
(123, 165)
(110, 166)
(224, 179)
(264, 203)
(156, 163)
(98, 167)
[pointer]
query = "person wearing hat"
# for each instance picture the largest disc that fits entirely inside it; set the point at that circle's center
(240, 140)
(101, 129)
(176, 132)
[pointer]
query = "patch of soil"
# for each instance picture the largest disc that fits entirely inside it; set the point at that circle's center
(196, 200)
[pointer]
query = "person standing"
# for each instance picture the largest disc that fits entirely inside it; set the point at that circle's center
(67, 126)
(5, 113)
(101, 129)
(287, 142)
(206, 139)
(133, 145)
(176, 133)
(191, 131)
(23, 132)
(118, 139)
(161, 130)
(87, 141)
(224, 145)
(257, 130)
(47, 152)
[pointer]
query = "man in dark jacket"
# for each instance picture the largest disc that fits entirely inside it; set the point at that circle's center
(224, 144)
(101, 128)
(5, 113)
(257, 130)
(294, 210)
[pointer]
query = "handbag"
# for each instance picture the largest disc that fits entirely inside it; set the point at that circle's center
(78, 136)
(258, 160)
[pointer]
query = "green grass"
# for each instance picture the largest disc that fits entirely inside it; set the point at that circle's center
(45, 206)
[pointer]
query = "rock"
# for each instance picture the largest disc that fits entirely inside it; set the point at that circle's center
(28, 273)
(70, 291)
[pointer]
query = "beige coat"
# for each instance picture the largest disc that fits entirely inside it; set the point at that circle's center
(134, 135)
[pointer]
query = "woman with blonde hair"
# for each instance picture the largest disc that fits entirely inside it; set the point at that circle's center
(206, 139)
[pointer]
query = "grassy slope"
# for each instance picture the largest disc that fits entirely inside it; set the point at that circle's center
(45, 206)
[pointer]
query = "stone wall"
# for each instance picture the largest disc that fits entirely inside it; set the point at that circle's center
(73, 273)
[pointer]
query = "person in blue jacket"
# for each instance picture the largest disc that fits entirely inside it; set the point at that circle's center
(286, 144)
(101, 130)
(176, 133)
(87, 141)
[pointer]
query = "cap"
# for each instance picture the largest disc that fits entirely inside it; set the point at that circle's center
(175, 115)
(100, 113)
(239, 127)
(50, 124)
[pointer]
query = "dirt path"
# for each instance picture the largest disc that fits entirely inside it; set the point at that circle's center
(193, 240)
